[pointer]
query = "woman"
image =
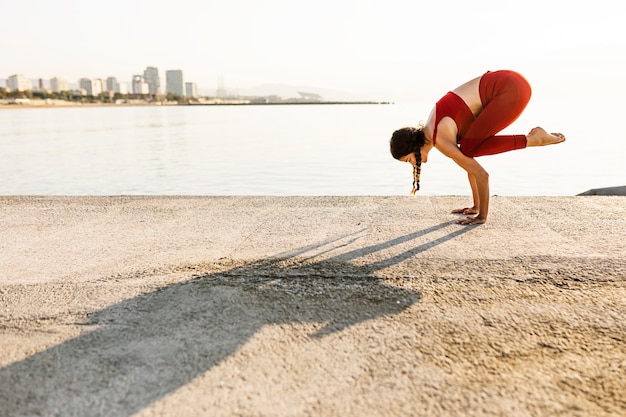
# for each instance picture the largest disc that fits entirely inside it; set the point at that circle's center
(464, 124)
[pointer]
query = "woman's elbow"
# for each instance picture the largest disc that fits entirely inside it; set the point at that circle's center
(482, 175)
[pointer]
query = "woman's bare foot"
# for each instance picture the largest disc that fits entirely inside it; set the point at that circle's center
(469, 220)
(466, 210)
(539, 137)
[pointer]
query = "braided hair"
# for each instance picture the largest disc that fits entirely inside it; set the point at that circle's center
(405, 141)
(417, 170)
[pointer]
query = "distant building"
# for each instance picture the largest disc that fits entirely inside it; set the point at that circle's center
(18, 82)
(87, 85)
(97, 86)
(92, 87)
(151, 76)
(112, 85)
(139, 85)
(58, 84)
(220, 92)
(191, 90)
(122, 88)
(310, 96)
(174, 82)
(78, 92)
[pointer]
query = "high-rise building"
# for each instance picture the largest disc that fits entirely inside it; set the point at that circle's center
(112, 85)
(174, 82)
(18, 82)
(87, 85)
(191, 90)
(58, 84)
(139, 85)
(151, 76)
(122, 88)
(98, 86)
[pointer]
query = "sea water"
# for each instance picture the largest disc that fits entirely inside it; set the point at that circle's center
(284, 150)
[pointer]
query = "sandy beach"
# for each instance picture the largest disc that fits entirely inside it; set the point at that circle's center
(312, 306)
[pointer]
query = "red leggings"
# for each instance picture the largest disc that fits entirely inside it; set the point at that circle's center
(504, 95)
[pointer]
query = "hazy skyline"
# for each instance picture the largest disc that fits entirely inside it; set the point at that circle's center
(390, 50)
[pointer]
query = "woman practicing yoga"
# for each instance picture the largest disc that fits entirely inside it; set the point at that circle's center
(463, 124)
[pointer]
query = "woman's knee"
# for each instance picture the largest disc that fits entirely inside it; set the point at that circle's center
(469, 147)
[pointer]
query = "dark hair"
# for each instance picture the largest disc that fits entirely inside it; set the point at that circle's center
(407, 140)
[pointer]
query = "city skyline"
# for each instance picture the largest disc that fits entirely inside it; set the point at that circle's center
(147, 83)
(392, 50)
(189, 89)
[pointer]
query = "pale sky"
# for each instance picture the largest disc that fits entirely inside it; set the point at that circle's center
(392, 49)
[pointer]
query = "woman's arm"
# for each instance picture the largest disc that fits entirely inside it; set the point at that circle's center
(474, 208)
(478, 177)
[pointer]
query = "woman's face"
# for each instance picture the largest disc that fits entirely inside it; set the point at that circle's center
(410, 158)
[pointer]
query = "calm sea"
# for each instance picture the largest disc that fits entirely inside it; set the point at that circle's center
(283, 150)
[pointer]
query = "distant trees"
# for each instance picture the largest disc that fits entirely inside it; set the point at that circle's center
(61, 95)
(4, 94)
(175, 97)
(100, 98)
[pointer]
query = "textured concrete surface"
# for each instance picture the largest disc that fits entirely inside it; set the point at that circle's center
(293, 306)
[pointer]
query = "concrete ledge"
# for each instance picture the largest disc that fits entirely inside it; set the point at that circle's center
(335, 306)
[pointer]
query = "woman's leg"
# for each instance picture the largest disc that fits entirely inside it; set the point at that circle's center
(504, 95)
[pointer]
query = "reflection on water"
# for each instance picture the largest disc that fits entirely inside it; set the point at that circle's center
(276, 150)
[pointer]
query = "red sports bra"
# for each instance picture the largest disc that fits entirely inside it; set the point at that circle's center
(453, 106)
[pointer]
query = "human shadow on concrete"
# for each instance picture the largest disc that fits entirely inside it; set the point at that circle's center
(144, 348)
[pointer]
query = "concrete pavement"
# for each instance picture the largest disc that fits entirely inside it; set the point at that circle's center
(311, 306)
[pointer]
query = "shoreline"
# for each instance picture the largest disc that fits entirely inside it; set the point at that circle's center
(65, 104)
(335, 306)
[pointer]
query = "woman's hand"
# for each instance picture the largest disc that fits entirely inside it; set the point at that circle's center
(466, 210)
(469, 220)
